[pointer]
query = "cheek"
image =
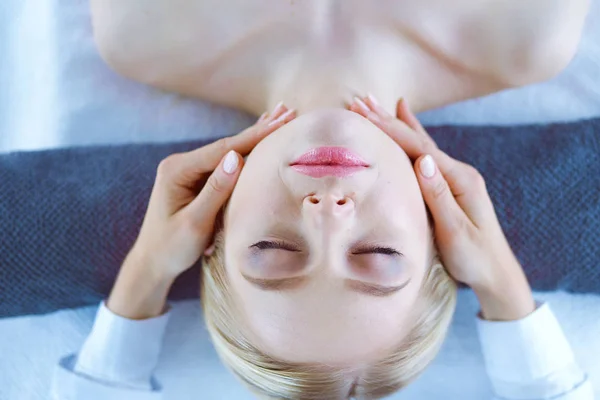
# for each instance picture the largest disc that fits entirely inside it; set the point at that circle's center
(401, 201)
(403, 190)
(256, 204)
(253, 186)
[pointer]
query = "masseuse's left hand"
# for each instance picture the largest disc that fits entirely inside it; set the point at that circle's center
(469, 236)
(189, 191)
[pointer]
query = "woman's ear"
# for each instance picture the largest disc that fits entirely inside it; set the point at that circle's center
(217, 232)
(210, 249)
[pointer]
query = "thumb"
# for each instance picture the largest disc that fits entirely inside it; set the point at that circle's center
(205, 207)
(448, 216)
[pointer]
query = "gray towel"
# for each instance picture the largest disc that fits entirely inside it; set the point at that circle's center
(68, 217)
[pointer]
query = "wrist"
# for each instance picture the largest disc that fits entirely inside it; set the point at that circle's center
(139, 291)
(507, 298)
(143, 265)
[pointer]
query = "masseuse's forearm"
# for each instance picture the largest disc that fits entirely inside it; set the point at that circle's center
(138, 293)
(509, 298)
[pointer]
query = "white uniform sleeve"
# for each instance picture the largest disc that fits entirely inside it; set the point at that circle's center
(530, 359)
(116, 361)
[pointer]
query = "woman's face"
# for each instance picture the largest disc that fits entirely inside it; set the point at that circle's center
(327, 269)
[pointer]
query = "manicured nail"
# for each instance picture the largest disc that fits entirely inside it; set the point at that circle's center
(282, 117)
(278, 107)
(263, 116)
(405, 102)
(373, 99)
(231, 162)
(427, 166)
(361, 104)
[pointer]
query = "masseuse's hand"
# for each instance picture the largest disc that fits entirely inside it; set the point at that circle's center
(189, 191)
(469, 237)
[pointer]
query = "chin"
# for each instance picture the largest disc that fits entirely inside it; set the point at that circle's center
(334, 127)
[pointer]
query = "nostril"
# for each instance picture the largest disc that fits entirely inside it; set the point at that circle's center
(341, 202)
(314, 200)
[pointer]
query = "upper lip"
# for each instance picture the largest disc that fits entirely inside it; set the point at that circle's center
(332, 156)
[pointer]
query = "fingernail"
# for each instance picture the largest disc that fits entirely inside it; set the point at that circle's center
(427, 166)
(405, 102)
(361, 104)
(231, 162)
(373, 99)
(278, 106)
(282, 117)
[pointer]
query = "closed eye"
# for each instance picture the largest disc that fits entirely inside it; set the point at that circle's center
(378, 250)
(268, 245)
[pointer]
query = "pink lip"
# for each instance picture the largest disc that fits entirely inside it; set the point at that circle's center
(329, 161)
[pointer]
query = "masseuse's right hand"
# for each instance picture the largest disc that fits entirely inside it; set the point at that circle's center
(189, 191)
(469, 237)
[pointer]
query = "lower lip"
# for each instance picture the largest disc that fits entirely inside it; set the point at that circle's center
(329, 161)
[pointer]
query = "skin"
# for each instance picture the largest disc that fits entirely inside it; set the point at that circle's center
(332, 247)
(315, 54)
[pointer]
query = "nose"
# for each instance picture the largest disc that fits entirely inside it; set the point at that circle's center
(337, 206)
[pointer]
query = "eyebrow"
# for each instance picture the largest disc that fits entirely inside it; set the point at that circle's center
(285, 284)
(277, 284)
(373, 289)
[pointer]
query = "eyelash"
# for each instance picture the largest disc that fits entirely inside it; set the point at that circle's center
(388, 251)
(276, 244)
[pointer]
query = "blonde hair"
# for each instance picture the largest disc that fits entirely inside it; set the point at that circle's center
(269, 378)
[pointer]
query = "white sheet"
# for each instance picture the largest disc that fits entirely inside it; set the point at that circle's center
(189, 366)
(55, 92)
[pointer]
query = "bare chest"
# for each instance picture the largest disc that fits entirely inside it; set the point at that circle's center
(240, 53)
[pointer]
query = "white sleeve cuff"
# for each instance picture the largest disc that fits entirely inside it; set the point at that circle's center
(121, 351)
(69, 385)
(529, 358)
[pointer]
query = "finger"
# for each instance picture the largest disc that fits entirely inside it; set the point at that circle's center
(279, 109)
(376, 114)
(467, 187)
(263, 117)
(204, 208)
(282, 120)
(448, 216)
(414, 143)
(415, 140)
(405, 114)
(280, 113)
(371, 110)
(470, 191)
(194, 164)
